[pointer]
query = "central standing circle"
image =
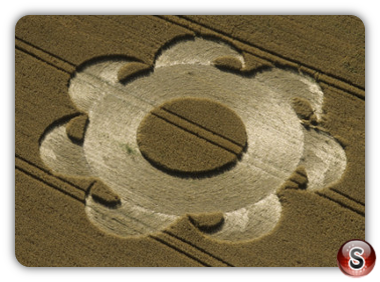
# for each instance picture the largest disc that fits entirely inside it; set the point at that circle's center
(191, 136)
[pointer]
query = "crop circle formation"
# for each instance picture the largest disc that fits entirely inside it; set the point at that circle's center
(189, 117)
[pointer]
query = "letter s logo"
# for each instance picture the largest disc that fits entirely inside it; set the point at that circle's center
(356, 261)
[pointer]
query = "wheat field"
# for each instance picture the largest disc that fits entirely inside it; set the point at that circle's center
(57, 213)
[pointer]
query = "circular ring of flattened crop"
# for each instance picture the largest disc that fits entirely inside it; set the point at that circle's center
(277, 110)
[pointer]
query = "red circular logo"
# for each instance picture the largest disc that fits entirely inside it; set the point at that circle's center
(356, 258)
